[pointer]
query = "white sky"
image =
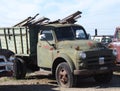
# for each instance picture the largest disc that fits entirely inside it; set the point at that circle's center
(101, 14)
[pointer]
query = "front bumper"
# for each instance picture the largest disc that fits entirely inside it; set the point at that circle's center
(86, 72)
(6, 67)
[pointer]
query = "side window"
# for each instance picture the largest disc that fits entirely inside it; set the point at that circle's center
(80, 34)
(47, 34)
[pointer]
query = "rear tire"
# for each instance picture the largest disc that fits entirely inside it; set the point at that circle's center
(19, 71)
(64, 75)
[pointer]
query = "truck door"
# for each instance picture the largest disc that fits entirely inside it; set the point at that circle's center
(44, 49)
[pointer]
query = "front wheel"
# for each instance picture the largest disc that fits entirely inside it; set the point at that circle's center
(64, 75)
(104, 78)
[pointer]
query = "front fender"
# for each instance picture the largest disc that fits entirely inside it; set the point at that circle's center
(68, 60)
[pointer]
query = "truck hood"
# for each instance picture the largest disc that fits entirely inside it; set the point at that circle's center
(80, 45)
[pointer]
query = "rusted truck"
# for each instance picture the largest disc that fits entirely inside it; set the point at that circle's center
(61, 47)
(115, 44)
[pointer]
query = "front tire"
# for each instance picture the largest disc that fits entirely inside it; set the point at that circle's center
(64, 75)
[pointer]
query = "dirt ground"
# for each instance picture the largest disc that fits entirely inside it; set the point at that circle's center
(44, 82)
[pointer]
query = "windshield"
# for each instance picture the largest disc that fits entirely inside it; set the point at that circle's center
(70, 33)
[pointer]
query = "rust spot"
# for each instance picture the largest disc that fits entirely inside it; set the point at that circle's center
(51, 49)
(46, 47)
(77, 48)
(90, 43)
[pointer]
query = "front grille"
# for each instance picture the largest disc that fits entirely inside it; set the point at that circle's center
(2, 67)
(92, 59)
(2, 63)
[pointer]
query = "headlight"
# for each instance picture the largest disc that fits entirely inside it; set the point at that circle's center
(115, 52)
(82, 55)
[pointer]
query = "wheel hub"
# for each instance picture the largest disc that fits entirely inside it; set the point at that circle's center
(63, 76)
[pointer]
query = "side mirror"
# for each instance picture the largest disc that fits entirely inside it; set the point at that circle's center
(89, 36)
(42, 36)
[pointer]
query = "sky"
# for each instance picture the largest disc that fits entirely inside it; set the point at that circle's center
(103, 15)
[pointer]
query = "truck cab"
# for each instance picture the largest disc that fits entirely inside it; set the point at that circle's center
(66, 50)
(57, 39)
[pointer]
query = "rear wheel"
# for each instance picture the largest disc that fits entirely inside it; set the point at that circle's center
(103, 78)
(64, 75)
(19, 71)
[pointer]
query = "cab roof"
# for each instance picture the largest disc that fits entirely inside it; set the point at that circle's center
(52, 26)
(61, 25)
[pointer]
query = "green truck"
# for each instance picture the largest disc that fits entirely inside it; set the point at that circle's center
(61, 47)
